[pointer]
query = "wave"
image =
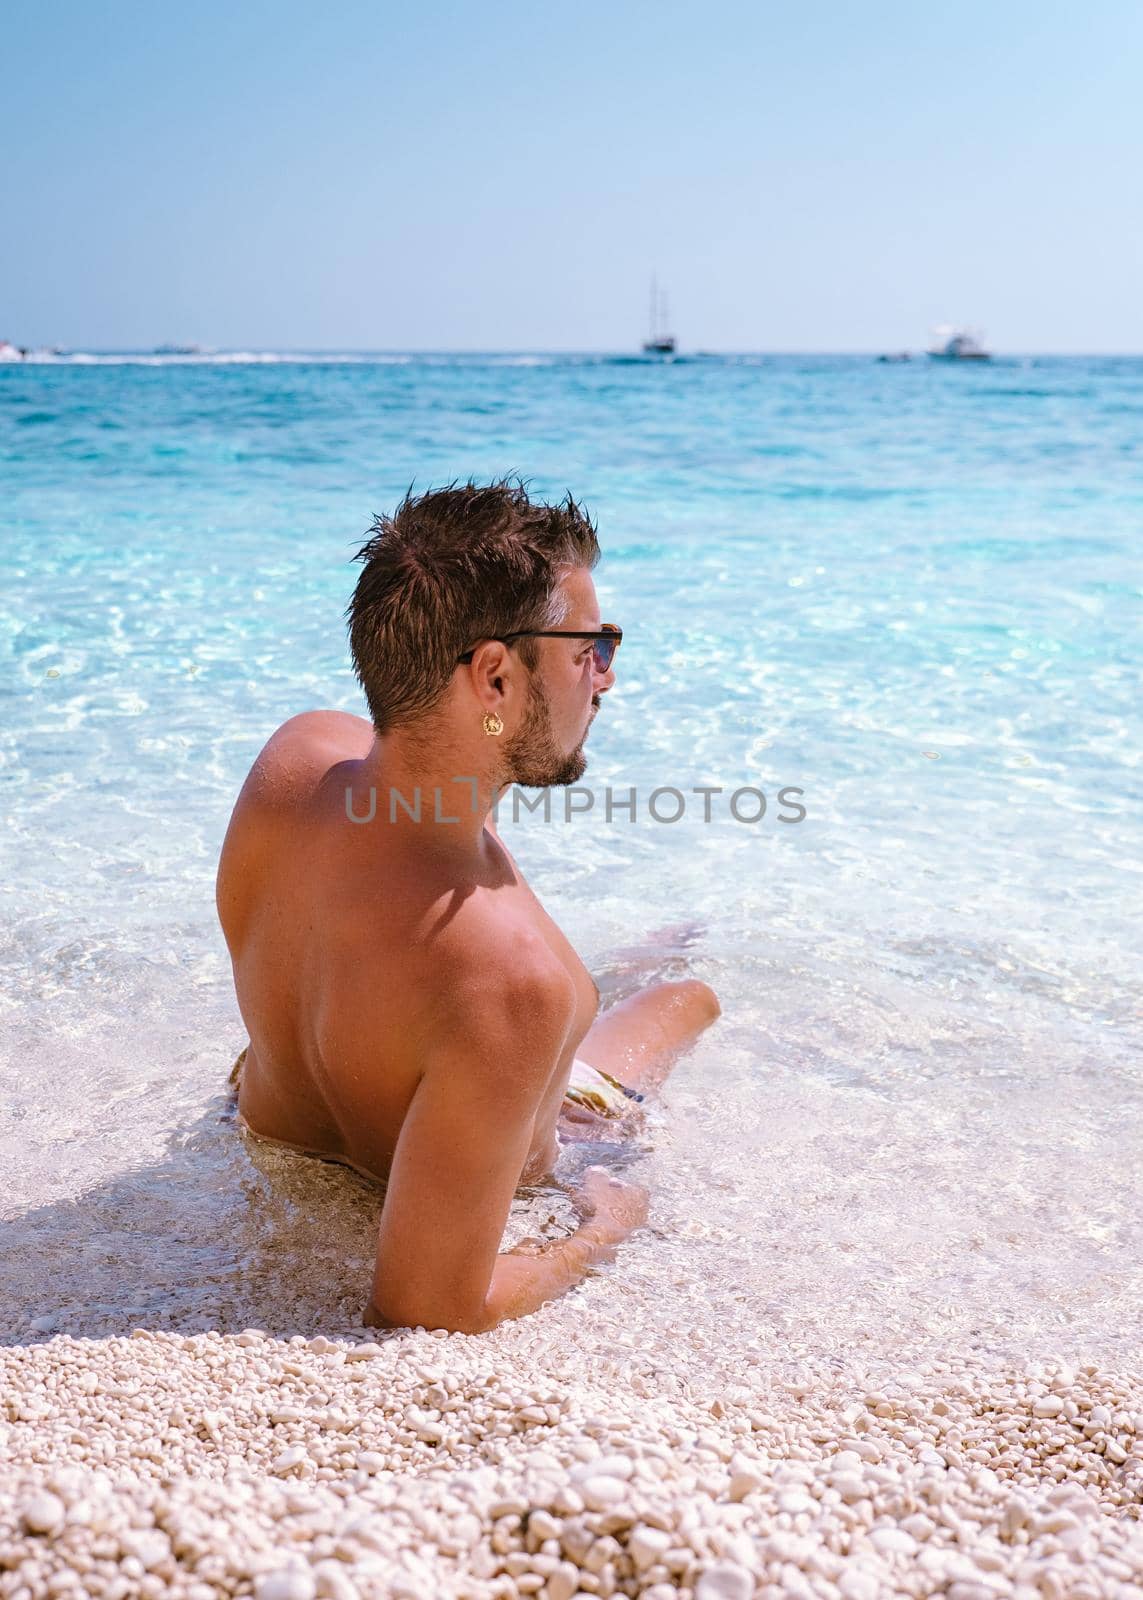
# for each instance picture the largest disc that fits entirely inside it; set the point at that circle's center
(204, 358)
(426, 358)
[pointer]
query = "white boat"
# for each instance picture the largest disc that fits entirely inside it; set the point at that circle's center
(660, 342)
(957, 344)
(9, 352)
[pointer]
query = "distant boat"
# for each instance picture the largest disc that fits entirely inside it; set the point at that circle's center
(957, 344)
(10, 352)
(177, 350)
(660, 342)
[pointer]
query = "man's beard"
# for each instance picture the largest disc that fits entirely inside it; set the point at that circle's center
(532, 757)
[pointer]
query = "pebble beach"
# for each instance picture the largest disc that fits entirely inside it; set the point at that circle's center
(421, 1464)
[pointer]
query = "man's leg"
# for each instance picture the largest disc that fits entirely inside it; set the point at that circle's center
(639, 1039)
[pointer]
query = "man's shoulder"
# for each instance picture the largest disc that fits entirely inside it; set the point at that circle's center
(314, 735)
(503, 1014)
(309, 727)
(489, 950)
(302, 747)
(283, 775)
(492, 975)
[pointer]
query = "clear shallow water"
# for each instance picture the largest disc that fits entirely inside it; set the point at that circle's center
(912, 592)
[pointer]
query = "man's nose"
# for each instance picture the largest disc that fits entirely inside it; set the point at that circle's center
(604, 680)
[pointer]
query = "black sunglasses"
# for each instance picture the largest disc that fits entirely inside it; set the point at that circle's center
(607, 641)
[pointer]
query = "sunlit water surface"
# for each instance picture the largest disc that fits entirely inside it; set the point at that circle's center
(910, 592)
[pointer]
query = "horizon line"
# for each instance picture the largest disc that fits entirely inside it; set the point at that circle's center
(192, 349)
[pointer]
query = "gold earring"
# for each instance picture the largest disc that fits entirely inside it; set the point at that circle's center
(492, 723)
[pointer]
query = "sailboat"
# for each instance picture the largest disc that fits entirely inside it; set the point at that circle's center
(660, 343)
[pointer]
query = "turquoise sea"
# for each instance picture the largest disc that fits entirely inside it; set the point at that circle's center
(912, 592)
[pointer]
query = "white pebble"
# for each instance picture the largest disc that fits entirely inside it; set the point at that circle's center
(365, 1352)
(563, 1583)
(289, 1584)
(148, 1546)
(332, 1582)
(541, 1526)
(894, 1540)
(602, 1493)
(605, 1467)
(724, 1582)
(647, 1545)
(743, 1482)
(42, 1513)
(857, 1584)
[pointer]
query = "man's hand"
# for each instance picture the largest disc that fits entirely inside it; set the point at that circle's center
(613, 1207)
(583, 1125)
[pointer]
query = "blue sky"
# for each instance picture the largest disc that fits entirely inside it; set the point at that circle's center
(507, 175)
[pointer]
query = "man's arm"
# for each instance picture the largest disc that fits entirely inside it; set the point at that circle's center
(460, 1154)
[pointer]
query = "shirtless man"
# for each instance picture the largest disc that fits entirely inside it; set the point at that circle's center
(412, 1009)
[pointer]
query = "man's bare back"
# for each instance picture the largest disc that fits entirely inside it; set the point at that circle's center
(344, 935)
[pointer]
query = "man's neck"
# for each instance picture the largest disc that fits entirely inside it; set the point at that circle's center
(438, 797)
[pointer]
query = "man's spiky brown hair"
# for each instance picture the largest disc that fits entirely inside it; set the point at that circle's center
(449, 568)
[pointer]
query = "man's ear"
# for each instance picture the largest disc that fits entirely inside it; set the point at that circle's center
(489, 669)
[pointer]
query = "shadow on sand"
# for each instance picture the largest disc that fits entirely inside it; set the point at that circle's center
(224, 1233)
